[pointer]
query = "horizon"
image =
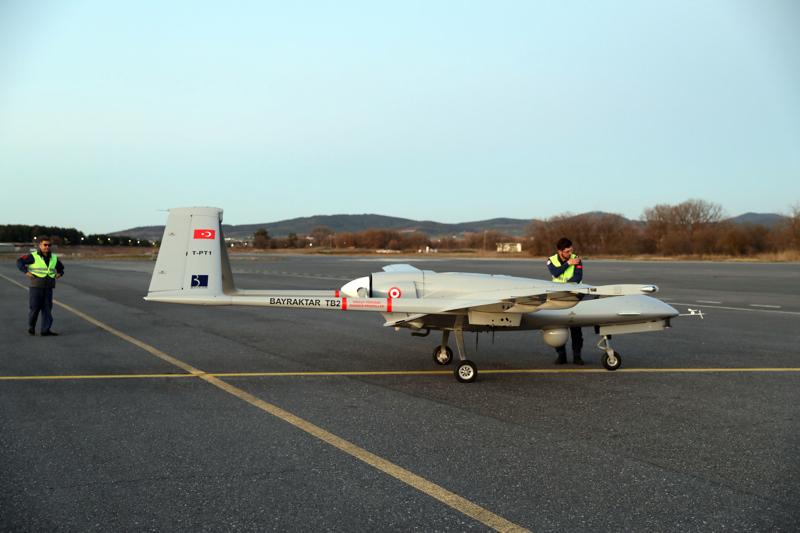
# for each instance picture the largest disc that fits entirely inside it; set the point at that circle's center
(725, 215)
(226, 223)
(446, 111)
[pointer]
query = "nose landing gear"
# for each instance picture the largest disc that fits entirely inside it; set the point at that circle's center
(442, 355)
(465, 371)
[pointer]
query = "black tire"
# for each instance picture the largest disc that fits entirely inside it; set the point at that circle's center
(608, 365)
(466, 371)
(444, 358)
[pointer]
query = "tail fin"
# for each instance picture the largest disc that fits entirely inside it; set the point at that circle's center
(192, 262)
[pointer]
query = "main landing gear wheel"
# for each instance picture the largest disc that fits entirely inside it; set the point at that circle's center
(611, 361)
(466, 371)
(442, 355)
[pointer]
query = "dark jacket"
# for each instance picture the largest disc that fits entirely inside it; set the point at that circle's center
(40, 283)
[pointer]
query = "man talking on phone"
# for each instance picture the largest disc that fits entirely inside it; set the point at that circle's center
(566, 267)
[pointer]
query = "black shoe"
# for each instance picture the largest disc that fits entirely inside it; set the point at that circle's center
(561, 360)
(576, 360)
(49, 333)
(31, 331)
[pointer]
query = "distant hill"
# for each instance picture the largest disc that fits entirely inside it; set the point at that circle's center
(151, 233)
(765, 219)
(353, 223)
(350, 223)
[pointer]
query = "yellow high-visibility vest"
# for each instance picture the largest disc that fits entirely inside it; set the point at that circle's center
(567, 274)
(40, 269)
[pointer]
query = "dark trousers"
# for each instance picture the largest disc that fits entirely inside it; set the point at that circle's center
(40, 299)
(577, 343)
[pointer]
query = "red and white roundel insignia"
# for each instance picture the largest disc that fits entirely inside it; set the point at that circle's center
(395, 292)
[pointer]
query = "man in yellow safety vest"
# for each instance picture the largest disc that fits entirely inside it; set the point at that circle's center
(42, 268)
(566, 267)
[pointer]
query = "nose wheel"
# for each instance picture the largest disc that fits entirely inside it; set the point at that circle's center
(611, 360)
(442, 355)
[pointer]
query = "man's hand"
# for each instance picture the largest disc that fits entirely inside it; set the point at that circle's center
(574, 260)
(29, 275)
(59, 275)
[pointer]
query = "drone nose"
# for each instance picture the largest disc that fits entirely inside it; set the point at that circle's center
(667, 310)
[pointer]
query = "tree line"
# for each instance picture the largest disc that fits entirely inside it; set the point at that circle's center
(325, 238)
(690, 228)
(22, 233)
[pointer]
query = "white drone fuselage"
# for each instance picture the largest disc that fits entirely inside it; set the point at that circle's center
(193, 268)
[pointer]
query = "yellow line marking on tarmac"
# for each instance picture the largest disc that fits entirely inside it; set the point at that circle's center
(635, 370)
(697, 370)
(136, 342)
(316, 373)
(438, 492)
(433, 490)
(323, 373)
(99, 376)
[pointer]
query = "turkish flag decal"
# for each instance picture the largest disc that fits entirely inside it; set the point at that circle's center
(205, 233)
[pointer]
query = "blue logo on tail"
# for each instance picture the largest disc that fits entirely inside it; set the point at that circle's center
(199, 281)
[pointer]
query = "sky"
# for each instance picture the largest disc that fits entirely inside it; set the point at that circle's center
(453, 111)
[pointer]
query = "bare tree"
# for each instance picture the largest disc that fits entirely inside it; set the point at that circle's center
(261, 238)
(322, 236)
(671, 229)
(793, 228)
(591, 233)
(345, 240)
(416, 240)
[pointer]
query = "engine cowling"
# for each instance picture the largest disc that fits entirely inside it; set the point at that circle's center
(358, 288)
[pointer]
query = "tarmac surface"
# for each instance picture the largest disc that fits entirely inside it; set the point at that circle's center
(133, 419)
